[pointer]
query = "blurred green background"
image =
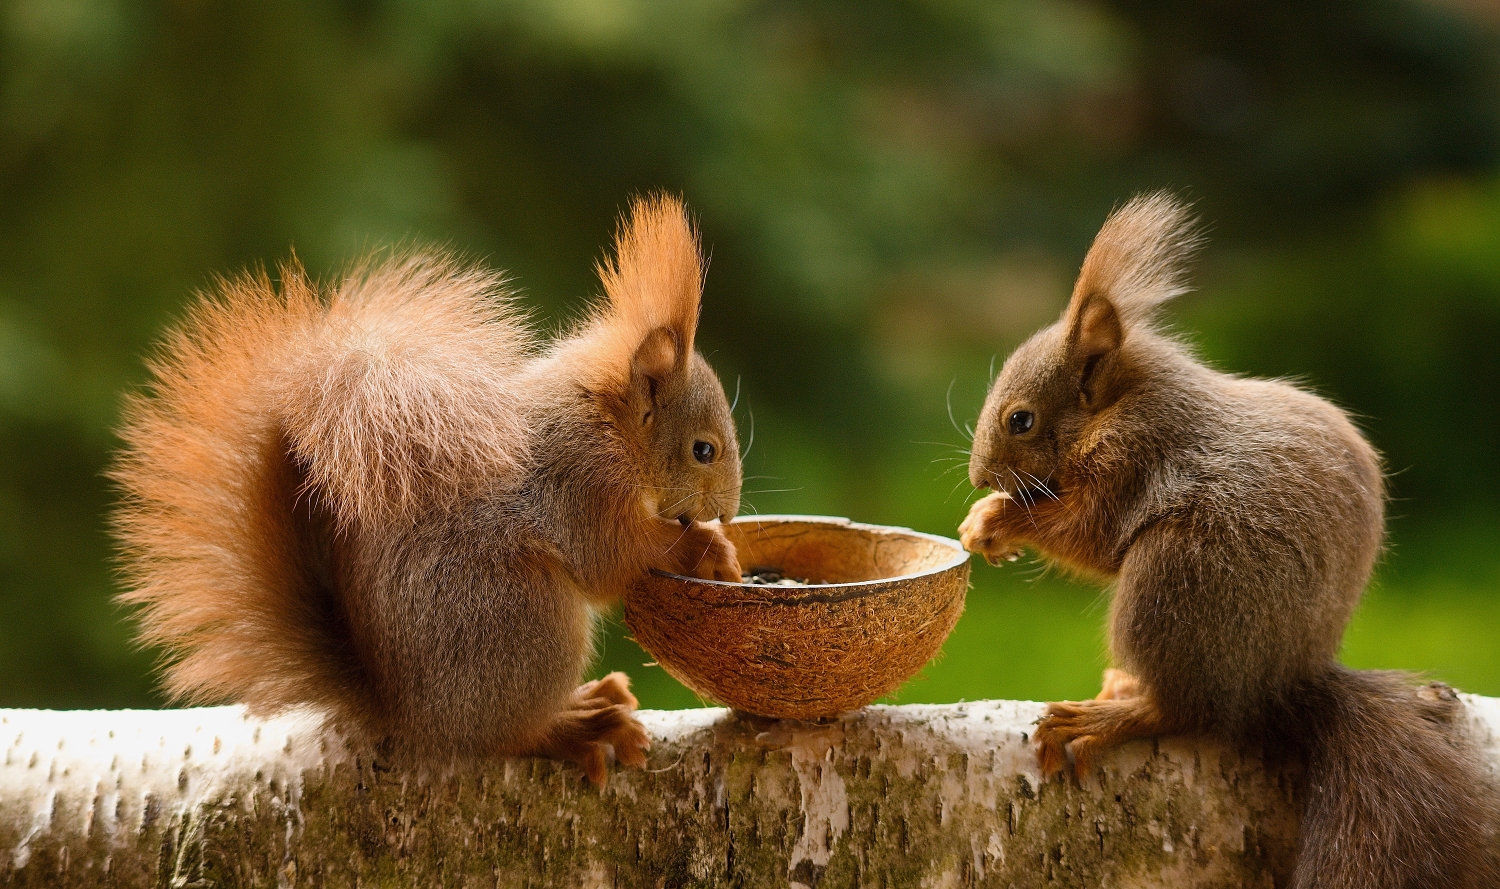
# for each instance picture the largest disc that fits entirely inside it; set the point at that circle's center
(894, 193)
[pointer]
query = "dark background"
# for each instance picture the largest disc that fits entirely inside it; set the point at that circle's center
(894, 193)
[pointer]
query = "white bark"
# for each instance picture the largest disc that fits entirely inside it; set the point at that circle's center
(911, 796)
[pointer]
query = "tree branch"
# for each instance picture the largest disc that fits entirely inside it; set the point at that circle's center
(890, 796)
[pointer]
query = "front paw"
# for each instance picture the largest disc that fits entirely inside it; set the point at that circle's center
(983, 532)
(702, 550)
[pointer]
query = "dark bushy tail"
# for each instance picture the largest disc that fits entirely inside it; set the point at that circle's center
(278, 418)
(1396, 795)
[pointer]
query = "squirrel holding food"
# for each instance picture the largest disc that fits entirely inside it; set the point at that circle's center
(391, 501)
(1239, 521)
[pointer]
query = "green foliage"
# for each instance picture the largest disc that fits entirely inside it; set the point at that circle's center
(895, 192)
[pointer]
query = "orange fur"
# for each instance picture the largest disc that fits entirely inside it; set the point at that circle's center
(654, 282)
(387, 501)
(218, 574)
(423, 353)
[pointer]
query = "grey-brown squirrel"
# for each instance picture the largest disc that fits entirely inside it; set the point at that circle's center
(391, 502)
(1239, 521)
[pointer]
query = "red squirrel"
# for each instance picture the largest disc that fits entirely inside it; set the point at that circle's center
(391, 501)
(1238, 520)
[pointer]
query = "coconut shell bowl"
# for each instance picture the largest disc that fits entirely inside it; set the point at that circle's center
(875, 608)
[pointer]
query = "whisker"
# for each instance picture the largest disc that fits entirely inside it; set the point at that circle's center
(953, 468)
(1043, 482)
(956, 458)
(1025, 500)
(735, 403)
(998, 483)
(701, 557)
(663, 512)
(751, 445)
(949, 399)
(954, 489)
(1039, 571)
(1040, 484)
(679, 539)
(1020, 490)
(958, 449)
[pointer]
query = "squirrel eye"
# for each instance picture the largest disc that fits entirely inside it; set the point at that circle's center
(703, 452)
(1021, 422)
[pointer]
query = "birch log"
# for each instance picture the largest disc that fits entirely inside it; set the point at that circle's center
(930, 796)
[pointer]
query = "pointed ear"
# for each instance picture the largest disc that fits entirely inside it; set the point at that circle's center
(655, 360)
(639, 339)
(1138, 258)
(1095, 328)
(655, 280)
(1094, 335)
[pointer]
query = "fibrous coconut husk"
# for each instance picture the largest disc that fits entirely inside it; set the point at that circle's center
(878, 605)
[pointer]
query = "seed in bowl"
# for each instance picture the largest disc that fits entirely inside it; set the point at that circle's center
(771, 577)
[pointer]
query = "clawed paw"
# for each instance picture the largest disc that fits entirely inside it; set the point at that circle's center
(601, 730)
(702, 550)
(1080, 730)
(982, 530)
(598, 722)
(1061, 730)
(629, 741)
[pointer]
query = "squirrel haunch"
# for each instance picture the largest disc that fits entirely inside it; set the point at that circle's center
(1239, 521)
(392, 502)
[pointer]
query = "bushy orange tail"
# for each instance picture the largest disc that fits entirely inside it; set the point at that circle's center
(1394, 798)
(277, 418)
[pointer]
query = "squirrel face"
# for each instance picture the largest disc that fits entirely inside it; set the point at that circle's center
(1033, 417)
(1037, 418)
(691, 442)
(636, 354)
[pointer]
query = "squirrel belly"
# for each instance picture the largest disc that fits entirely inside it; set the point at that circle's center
(392, 503)
(1239, 521)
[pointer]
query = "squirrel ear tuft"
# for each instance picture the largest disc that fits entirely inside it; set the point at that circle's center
(1138, 258)
(655, 279)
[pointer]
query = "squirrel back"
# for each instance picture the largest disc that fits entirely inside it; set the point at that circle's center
(1239, 520)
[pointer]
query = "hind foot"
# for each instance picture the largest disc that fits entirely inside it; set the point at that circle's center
(1085, 729)
(613, 689)
(1117, 686)
(597, 721)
